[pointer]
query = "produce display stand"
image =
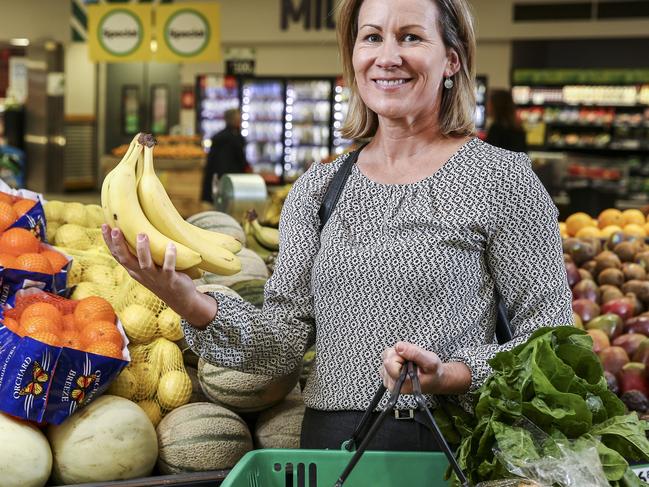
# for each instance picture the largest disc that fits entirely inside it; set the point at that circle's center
(198, 479)
(182, 179)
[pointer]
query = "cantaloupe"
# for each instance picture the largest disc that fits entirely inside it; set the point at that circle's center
(197, 393)
(251, 291)
(281, 425)
(252, 267)
(200, 437)
(217, 288)
(217, 221)
(25, 455)
(110, 439)
(242, 392)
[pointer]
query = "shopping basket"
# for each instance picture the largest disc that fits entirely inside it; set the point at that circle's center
(332, 468)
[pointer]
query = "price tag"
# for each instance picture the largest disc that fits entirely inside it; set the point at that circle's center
(642, 471)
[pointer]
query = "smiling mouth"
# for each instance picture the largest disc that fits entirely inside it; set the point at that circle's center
(391, 83)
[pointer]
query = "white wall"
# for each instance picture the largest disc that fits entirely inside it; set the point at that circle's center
(35, 19)
(80, 82)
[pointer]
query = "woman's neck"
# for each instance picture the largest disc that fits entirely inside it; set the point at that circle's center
(404, 139)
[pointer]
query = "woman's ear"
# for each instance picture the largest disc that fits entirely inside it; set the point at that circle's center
(453, 63)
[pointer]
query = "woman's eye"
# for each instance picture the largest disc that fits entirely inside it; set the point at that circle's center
(373, 38)
(411, 38)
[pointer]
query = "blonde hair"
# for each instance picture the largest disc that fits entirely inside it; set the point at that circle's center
(457, 107)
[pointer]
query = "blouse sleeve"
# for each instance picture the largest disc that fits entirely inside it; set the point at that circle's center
(525, 258)
(273, 340)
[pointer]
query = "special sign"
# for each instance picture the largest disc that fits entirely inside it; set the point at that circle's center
(119, 33)
(188, 32)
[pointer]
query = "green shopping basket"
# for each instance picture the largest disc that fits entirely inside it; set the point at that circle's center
(321, 468)
(352, 466)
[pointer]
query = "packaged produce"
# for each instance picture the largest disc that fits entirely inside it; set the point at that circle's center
(21, 209)
(57, 354)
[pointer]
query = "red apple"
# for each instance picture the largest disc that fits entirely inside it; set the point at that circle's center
(622, 307)
(642, 352)
(637, 324)
(610, 323)
(586, 309)
(573, 273)
(600, 340)
(632, 378)
(629, 342)
(613, 359)
(586, 289)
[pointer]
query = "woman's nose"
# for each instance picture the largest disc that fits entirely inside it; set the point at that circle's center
(389, 54)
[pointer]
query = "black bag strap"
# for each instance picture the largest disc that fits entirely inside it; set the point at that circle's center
(336, 186)
(331, 197)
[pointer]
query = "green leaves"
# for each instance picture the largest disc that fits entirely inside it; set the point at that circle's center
(555, 381)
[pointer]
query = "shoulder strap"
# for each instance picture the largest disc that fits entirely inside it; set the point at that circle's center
(336, 187)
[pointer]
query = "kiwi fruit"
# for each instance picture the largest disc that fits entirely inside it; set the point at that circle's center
(611, 276)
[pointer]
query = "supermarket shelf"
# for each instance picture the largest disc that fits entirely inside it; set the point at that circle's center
(179, 480)
(263, 141)
(310, 100)
(591, 150)
(308, 146)
(307, 123)
(555, 104)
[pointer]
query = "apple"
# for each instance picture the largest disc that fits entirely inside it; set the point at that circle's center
(629, 342)
(586, 309)
(622, 307)
(586, 289)
(632, 378)
(609, 323)
(613, 359)
(642, 353)
(600, 340)
(572, 272)
(609, 293)
(637, 324)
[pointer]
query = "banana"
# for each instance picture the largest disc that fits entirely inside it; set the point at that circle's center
(162, 214)
(194, 272)
(127, 213)
(108, 216)
(266, 236)
(251, 241)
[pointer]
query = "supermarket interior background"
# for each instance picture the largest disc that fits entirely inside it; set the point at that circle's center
(577, 71)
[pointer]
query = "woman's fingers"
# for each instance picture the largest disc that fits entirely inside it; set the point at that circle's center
(423, 358)
(121, 251)
(169, 264)
(392, 362)
(143, 250)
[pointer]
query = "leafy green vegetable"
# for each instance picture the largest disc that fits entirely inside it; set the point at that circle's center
(556, 382)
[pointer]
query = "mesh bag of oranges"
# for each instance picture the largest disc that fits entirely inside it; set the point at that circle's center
(21, 209)
(156, 379)
(58, 354)
(25, 262)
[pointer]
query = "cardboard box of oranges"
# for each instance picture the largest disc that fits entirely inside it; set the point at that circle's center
(57, 355)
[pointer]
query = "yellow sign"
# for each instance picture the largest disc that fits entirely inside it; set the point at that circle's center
(188, 32)
(119, 33)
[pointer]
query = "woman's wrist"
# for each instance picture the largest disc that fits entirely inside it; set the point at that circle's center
(454, 378)
(199, 310)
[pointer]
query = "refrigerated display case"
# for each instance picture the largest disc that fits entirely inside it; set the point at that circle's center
(307, 124)
(263, 103)
(341, 106)
(481, 103)
(214, 95)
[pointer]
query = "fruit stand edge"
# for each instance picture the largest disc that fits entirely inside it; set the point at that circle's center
(197, 479)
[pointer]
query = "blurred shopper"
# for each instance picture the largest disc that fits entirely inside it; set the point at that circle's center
(227, 153)
(505, 130)
(431, 225)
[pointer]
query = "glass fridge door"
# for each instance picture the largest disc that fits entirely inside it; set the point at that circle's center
(307, 124)
(341, 106)
(263, 124)
(215, 95)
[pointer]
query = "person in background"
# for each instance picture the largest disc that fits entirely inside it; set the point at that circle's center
(227, 155)
(505, 131)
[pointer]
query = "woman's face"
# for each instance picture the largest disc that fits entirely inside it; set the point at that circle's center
(399, 58)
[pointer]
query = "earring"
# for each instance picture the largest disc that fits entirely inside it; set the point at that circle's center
(448, 83)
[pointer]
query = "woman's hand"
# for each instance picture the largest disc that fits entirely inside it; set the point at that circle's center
(174, 288)
(435, 376)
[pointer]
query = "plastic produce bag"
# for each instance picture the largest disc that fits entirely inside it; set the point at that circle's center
(34, 218)
(534, 456)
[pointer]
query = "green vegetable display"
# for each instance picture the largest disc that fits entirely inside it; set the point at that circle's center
(556, 382)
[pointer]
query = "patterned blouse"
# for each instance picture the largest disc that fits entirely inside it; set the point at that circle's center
(416, 262)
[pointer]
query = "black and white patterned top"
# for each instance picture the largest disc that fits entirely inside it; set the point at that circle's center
(416, 262)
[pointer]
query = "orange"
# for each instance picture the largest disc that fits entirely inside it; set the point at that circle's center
(34, 263)
(43, 309)
(35, 324)
(91, 309)
(23, 206)
(47, 337)
(589, 232)
(610, 217)
(633, 216)
(71, 339)
(12, 325)
(635, 230)
(7, 261)
(57, 260)
(101, 331)
(107, 349)
(7, 216)
(16, 241)
(609, 230)
(577, 221)
(68, 323)
(6, 198)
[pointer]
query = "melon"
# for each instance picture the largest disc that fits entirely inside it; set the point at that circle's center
(25, 455)
(217, 221)
(110, 439)
(281, 425)
(251, 291)
(252, 267)
(197, 393)
(201, 437)
(241, 392)
(217, 288)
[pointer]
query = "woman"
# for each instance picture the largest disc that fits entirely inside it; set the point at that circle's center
(430, 222)
(505, 130)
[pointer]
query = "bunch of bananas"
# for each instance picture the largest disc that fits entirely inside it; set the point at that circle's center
(261, 239)
(274, 208)
(134, 200)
